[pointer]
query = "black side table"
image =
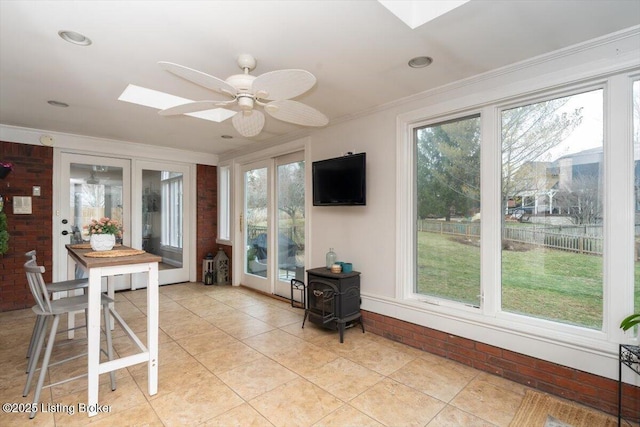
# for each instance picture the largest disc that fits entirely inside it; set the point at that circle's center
(629, 356)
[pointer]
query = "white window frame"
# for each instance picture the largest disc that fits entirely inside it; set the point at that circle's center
(224, 204)
(545, 96)
(411, 293)
(172, 190)
(618, 263)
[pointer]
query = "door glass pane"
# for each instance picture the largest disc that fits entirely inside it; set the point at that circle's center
(96, 192)
(448, 210)
(552, 240)
(291, 221)
(255, 215)
(162, 216)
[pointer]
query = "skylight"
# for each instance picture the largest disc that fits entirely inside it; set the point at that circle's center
(155, 99)
(417, 12)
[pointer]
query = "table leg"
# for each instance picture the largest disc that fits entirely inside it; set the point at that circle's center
(71, 317)
(93, 338)
(153, 303)
(111, 292)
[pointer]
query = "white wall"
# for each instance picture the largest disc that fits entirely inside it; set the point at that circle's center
(363, 235)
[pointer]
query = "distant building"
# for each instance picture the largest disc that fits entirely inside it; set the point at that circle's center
(536, 184)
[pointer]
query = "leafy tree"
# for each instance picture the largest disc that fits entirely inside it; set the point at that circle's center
(448, 168)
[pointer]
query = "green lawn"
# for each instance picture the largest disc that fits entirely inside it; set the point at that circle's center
(544, 283)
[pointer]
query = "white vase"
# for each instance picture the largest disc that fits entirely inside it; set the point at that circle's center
(102, 242)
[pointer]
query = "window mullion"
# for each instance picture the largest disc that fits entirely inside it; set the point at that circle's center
(619, 209)
(490, 225)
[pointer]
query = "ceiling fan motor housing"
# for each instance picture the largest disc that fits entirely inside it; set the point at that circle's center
(245, 101)
(242, 82)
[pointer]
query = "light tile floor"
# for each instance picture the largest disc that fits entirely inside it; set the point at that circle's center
(233, 357)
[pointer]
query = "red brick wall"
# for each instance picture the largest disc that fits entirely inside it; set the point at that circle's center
(32, 165)
(588, 389)
(207, 222)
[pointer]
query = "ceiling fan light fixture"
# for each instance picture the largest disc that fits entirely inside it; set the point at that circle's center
(420, 61)
(75, 38)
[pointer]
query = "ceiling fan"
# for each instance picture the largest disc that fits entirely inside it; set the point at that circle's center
(240, 94)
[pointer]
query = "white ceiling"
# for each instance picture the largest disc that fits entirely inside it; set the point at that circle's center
(358, 51)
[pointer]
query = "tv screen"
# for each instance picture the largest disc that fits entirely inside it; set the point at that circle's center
(340, 181)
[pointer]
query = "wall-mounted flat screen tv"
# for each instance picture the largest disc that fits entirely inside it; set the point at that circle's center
(340, 181)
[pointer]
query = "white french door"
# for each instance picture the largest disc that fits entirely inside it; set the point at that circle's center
(91, 188)
(289, 225)
(151, 199)
(256, 224)
(159, 223)
(273, 223)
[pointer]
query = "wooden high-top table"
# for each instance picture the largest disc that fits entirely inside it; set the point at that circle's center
(109, 267)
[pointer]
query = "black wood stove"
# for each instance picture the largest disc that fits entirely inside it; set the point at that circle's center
(333, 299)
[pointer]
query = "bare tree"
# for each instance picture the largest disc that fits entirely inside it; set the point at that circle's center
(528, 133)
(582, 201)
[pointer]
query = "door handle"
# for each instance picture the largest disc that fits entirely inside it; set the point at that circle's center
(65, 232)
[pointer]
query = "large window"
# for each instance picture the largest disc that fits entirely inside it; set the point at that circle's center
(555, 259)
(552, 230)
(448, 210)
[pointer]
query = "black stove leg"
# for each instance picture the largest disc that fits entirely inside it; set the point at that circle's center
(305, 318)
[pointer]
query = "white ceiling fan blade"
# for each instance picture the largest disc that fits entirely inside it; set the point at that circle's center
(200, 78)
(282, 84)
(248, 123)
(296, 112)
(191, 107)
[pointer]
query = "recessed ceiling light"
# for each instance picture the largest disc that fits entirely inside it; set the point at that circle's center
(58, 103)
(420, 61)
(226, 136)
(75, 38)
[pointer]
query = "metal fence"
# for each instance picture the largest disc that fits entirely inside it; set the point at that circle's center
(254, 231)
(581, 239)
